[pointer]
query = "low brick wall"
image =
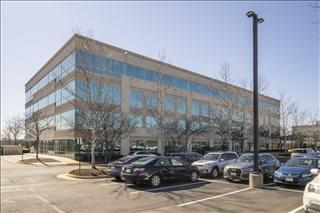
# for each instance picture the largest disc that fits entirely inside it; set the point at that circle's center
(11, 150)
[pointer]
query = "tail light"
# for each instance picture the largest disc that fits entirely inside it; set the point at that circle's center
(138, 170)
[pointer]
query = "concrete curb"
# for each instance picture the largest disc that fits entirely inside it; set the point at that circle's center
(86, 177)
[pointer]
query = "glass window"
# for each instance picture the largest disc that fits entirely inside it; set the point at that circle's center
(135, 121)
(135, 98)
(195, 125)
(181, 124)
(195, 107)
(169, 123)
(205, 109)
(181, 105)
(175, 162)
(34, 89)
(58, 121)
(169, 103)
(43, 82)
(151, 122)
(205, 125)
(151, 100)
(67, 120)
(58, 97)
(51, 98)
(163, 162)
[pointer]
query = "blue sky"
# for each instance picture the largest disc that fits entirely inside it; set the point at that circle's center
(195, 35)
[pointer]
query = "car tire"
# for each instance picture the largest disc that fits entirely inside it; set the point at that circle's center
(194, 176)
(215, 172)
(155, 181)
(118, 178)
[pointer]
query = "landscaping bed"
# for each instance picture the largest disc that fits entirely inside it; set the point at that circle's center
(34, 160)
(88, 173)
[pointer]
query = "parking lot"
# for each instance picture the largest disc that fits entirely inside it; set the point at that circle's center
(26, 188)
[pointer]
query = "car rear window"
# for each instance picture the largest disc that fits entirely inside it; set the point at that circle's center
(143, 161)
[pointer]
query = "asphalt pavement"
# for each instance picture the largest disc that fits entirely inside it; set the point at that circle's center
(29, 188)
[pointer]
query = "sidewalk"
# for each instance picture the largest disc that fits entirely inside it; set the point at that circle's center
(58, 160)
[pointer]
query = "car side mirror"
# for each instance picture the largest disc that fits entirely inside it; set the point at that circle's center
(315, 171)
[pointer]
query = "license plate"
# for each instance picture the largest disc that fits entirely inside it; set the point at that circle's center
(128, 170)
(289, 179)
(233, 174)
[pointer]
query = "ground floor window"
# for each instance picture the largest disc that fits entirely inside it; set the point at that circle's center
(143, 145)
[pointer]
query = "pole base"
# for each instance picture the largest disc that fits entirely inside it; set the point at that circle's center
(255, 180)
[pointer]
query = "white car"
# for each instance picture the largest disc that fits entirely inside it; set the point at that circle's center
(311, 195)
(213, 163)
(300, 152)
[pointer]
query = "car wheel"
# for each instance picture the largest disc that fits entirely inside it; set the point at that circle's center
(155, 180)
(118, 178)
(194, 176)
(215, 172)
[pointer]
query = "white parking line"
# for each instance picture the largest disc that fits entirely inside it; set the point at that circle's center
(216, 181)
(296, 210)
(167, 187)
(214, 197)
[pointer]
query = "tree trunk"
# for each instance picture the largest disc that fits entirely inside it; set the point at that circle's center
(36, 146)
(93, 157)
(189, 145)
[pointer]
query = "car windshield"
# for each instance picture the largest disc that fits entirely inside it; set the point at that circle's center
(301, 162)
(245, 159)
(211, 156)
(143, 161)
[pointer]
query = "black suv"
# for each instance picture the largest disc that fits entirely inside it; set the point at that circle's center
(154, 170)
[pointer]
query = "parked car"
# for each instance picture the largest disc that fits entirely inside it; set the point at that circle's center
(187, 157)
(144, 153)
(297, 171)
(155, 170)
(213, 163)
(313, 155)
(300, 152)
(114, 168)
(240, 170)
(311, 195)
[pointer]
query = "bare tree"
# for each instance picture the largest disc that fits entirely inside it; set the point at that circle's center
(224, 118)
(298, 117)
(98, 114)
(182, 133)
(6, 134)
(312, 116)
(285, 112)
(15, 128)
(34, 127)
(155, 100)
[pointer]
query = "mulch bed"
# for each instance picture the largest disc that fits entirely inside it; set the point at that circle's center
(88, 172)
(34, 160)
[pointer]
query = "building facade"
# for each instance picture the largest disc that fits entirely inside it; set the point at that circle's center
(129, 80)
(307, 135)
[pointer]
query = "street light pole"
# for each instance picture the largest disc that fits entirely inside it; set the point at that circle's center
(255, 22)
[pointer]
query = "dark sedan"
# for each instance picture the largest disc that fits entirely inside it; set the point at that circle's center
(155, 170)
(114, 168)
(296, 171)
